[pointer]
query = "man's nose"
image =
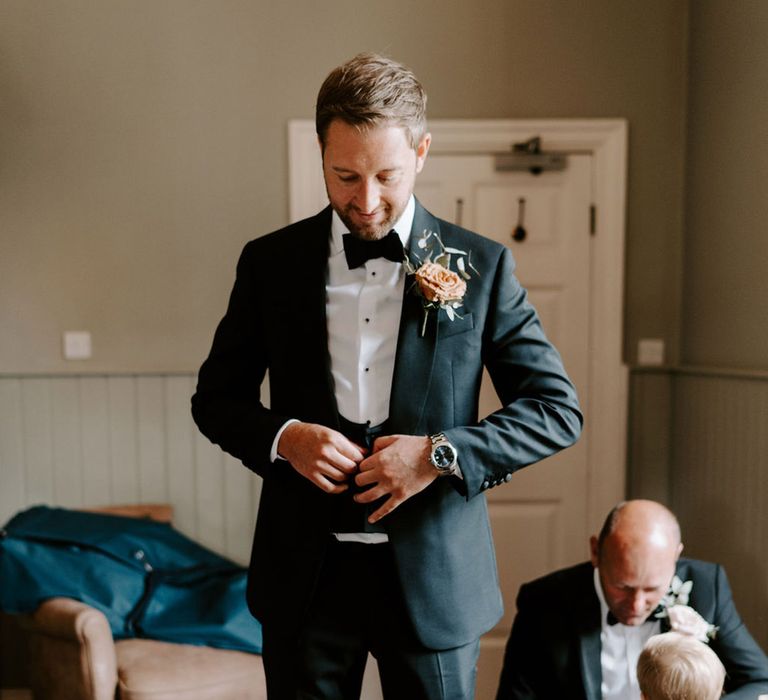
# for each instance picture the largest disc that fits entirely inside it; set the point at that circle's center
(639, 602)
(368, 197)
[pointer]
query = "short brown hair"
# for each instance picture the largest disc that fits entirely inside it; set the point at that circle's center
(369, 90)
(674, 666)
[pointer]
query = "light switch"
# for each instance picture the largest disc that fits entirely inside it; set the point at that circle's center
(650, 351)
(77, 345)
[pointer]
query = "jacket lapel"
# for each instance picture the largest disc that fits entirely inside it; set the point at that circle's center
(310, 309)
(588, 631)
(591, 672)
(415, 354)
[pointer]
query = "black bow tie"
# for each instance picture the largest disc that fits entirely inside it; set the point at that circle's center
(611, 618)
(359, 250)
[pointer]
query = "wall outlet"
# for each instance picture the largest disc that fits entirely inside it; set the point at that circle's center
(650, 351)
(77, 345)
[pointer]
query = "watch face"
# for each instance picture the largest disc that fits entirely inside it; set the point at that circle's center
(444, 456)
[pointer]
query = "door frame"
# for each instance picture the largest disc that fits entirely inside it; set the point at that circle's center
(606, 141)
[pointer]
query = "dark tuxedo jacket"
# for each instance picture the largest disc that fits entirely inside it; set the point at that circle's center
(554, 648)
(276, 322)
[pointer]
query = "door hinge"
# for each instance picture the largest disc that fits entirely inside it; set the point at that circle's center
(592, 219)
(528, 155)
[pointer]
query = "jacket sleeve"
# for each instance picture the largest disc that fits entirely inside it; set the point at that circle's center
(745, 662)
(226, 405)
(540, 411)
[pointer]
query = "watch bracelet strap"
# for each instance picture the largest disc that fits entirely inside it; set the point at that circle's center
(435, 438)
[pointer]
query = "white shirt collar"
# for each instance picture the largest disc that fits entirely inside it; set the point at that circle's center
(402, 226)
(601, 597)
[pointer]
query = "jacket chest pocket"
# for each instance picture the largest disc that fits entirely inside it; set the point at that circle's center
(447, 328)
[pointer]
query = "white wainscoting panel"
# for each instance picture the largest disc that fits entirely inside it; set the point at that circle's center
(97, 440)
(719, 481)
(700, 444)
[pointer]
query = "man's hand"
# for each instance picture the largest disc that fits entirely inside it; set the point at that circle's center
(399, 468)
(322, 455)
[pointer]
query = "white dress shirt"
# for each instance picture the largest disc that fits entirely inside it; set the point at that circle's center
(363, 310)
(620, 647)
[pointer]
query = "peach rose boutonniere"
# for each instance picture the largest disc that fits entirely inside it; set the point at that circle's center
(438, 286)
(683, 618)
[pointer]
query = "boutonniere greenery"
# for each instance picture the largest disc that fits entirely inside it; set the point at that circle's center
(434, 282)
(682, 617)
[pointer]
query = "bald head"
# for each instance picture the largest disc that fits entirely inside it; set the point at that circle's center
(639, 522)
(635, 554)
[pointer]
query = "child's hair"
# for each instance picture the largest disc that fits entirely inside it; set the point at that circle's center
(674, 666)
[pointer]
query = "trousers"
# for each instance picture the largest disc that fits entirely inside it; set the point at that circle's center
(358, 608)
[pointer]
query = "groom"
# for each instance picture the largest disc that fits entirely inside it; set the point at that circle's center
(373, 533)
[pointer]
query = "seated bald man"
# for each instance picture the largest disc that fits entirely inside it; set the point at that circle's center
(579, 631)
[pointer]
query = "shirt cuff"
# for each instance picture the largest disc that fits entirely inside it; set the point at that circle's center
(273, 455)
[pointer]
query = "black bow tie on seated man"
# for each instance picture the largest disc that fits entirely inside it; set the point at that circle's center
(612, 620)
(359, 250)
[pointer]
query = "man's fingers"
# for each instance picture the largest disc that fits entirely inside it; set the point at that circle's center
(385, 509)
(358, 453)
(344, 455)
(327, 485)
(381, 442)
(343, 464)
(367, 477)
(322, 455)
(371, 494)
(334, 471)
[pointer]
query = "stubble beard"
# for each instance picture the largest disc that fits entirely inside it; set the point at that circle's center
(369, 232)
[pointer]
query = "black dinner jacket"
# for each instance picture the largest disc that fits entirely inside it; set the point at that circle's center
(276, 323)
(554, 647)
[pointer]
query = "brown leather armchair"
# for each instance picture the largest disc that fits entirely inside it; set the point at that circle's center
(71, 655)
(74, 657)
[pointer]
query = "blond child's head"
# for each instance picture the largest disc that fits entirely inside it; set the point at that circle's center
(675, 666)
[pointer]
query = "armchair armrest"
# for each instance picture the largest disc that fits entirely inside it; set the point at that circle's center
(72, 651)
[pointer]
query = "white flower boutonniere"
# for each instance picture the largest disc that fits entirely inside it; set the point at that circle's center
(682, 617)
(438, 286)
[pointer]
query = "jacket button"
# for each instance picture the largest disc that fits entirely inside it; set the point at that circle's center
(484, 485)
(507, 477)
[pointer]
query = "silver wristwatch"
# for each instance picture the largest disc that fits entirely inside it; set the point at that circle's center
(443, 456)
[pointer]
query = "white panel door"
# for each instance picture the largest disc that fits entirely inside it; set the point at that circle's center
(539, 519)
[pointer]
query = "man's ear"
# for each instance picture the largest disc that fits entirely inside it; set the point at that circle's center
(679, 551)
(421, 151)
(593, 550)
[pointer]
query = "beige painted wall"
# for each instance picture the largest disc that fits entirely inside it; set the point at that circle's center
(142, 143)
(726, 246)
